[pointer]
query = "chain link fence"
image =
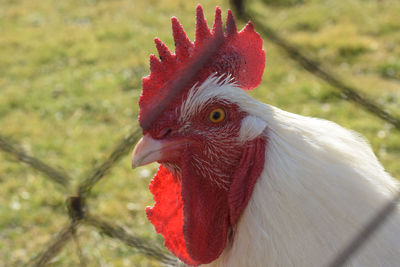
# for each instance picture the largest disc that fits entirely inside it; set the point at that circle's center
(78, 212)
(80, 215)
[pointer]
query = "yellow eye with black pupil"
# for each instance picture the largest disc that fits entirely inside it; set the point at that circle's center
(217, 115)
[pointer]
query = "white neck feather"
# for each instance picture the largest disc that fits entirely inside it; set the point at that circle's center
(320, 185)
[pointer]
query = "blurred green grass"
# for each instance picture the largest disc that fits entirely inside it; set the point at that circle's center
(70, 77)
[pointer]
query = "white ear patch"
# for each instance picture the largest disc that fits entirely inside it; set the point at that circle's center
(251, 128)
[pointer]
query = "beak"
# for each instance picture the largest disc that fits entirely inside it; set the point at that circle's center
(149, 150)
(146, 151)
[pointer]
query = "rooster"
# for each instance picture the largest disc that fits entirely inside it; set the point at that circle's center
(242, 183)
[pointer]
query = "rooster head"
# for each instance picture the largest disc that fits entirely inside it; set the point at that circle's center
(210, 147)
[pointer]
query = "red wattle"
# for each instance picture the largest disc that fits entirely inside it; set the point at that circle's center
(206, 212)
(167, 214)
(195, 216)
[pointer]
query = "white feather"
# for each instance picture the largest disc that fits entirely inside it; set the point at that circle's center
(320, 185)
(251, 128)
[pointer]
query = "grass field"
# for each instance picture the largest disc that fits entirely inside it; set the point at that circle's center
(70, 77)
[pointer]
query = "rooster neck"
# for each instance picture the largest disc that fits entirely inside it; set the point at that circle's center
(320, 185)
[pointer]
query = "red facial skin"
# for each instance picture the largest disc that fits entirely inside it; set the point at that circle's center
(208, 142)
(195, 207)
(207, 175)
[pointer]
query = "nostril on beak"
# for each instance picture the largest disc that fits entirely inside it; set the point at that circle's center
(164, 133)
(167, 133)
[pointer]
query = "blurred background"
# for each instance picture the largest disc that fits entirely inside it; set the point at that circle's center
(70, 78)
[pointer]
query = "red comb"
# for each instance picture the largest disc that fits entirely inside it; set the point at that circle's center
(240, 55)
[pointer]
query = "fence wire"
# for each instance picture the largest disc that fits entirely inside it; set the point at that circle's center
(120, 150)
(82, 259)
(76, 203)
(139, 244)
(78, 212)
(55, 246)
(51, 173)
(350, 92)
(315, 67)
(369, 229)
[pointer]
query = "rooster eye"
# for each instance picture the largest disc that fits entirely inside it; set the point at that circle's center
(217, 115)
